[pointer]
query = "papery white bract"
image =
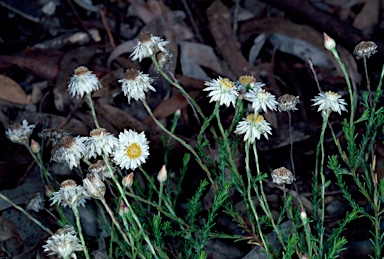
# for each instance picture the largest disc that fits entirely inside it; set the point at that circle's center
(83, 82)
(20, 133)
(222, 90)
(132, 151)
(70, 150)
(70, 194)
(330, 101)
(261, 100)
(253, 126)
(136, 84)
(100, 142)
(147, 46)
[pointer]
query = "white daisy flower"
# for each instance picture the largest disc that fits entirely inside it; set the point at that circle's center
(330, 101)
(136, 84)
(20, 133)
(63, 243)
(288, 102)
(83, 82)
(70, 194)
(147, 46)
(70, 150)
(253, 127)
(132, 150)
(222, 90)
(100, 142)
(246, 83)
(261, 100)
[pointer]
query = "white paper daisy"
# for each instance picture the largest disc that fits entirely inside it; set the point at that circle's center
(70, 150)
(100, 142)
(261, 100)
(132, 151)
(63, 243)
(253, 126)
(20, 133)
(147, 46)
(136, 84)
(70, 194)
(222, 90)
(330, 101)
(83, 82)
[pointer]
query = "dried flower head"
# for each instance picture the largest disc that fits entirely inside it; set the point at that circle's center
(164, 59)
(132, 151)
(147, 46)
(95, 186)
(282, 176)
(329, 43)
(101, 169)
(287, 102)
(136, 84)
(54, 135)
(35, 202)
(222, 90)
(83, 82)
(128, 180)
(70, 194)
(100, 142)
(70, 150)
(64, 243)
(365, 49)
(330, 101)
(162, 175)
(261, 100)
(20, 133)
(253, 126)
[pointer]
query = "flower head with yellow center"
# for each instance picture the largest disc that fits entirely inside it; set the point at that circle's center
(222, 90)
(132, 150)
(253, 126)
(261, 100)
(20, 133)
(147, 46)
(330, 101)
(246, 83)
(83, 82)
(136, 84)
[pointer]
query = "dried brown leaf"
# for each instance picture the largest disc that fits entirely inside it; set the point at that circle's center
(12, 92)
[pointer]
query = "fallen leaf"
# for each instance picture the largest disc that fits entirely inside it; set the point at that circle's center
(368, 16)
(12, 92)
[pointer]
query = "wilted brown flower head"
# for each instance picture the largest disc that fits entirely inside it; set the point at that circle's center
(287, 102)
(282, 176)
(365, 49)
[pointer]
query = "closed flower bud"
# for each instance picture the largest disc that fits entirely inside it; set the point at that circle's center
(162, 176)
(95, 186)
(303, 216)
(35, 146)
(128, 180)
(329, 43)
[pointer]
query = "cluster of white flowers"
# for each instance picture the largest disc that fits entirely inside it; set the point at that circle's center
(64, 243)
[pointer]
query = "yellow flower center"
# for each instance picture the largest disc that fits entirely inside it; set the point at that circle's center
(251, 118)
(246, 80)
(133, 151)
(227, 83)
(332, 96)
(262, 95)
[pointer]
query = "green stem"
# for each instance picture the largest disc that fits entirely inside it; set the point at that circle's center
(78, 224)
(90, 103)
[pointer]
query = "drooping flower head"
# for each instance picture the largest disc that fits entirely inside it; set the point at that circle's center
(64, 243)
(100, 142)
(365, 49)
(20, 133)
(132, 151)
(222, 90)
(70, 194)
(147, 46)
(330, 101)
(287, 102)
(70, 150)
(101, 169)
(282, 176)
(253, 126)
(94, 186)
(83, 82)
(136, 84)
(261, 100)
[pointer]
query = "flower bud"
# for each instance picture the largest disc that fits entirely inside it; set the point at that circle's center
(35, 146)
(162, 176)
(95, 186)
(303, 216)
(128, 180)
(329, 43)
